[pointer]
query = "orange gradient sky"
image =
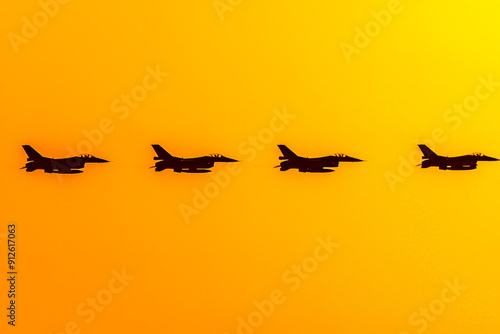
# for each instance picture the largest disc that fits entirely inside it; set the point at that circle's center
(404, 234)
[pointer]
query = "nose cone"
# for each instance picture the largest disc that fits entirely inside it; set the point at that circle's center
(351, 159)
(94, 159)
(221, 158)
(485, 158)
(482, 157)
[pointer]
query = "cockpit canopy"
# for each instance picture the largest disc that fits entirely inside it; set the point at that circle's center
(216, 155)
(477, 154)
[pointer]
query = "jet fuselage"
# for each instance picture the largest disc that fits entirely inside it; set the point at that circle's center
(186, 165)
(311, 165)
(464, 162)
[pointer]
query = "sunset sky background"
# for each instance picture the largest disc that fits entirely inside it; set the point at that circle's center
(400, 242)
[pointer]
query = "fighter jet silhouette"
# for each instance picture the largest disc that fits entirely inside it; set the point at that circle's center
(464, 162)
(182, 165)
(59, 166)
(311, 165)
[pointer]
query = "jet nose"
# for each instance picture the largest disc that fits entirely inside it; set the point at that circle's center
(487, 158)
(226, 159)
(90, 158)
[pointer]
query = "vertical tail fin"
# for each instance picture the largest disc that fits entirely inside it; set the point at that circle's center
(427, 152)
(32, 154)
(287, 153)
(160, 151)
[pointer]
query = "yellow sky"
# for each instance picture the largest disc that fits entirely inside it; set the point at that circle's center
(370, 79)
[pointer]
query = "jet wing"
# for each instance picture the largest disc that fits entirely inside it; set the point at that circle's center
(60, 168)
